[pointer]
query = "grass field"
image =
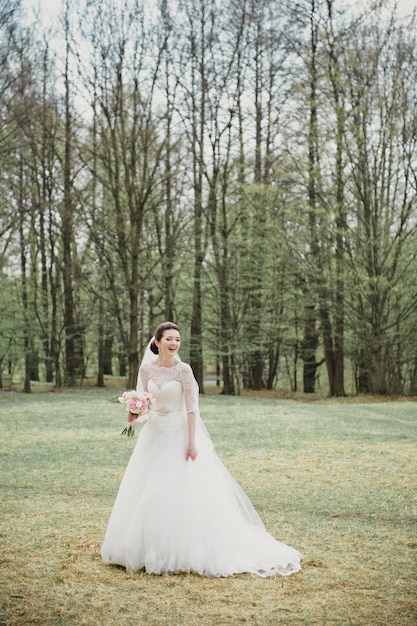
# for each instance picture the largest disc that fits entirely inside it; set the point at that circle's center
(335, 479)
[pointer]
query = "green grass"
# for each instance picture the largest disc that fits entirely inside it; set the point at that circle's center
(334, 479)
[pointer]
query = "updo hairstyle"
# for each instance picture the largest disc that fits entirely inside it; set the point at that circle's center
(160, 331)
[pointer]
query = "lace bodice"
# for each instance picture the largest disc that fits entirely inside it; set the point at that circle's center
(154, 379)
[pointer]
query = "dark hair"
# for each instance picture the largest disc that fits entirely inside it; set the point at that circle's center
(160, 331)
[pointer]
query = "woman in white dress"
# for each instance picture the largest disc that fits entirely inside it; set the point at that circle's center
(178, 509)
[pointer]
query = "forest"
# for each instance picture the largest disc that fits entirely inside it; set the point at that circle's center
(244, 168)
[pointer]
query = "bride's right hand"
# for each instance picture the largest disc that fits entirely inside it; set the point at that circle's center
(191, 452)
(131, 417)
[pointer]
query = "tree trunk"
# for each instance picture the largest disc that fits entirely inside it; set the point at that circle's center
(108, 353)
(133, 359)
(123, 364)
(45, 199)
(339, 312)
(326, 332)
(170, 250)
(309, 349)
(255, 355)
(310, 342)
(413, 378)
(196, 340)
(225, 335)
(273, 358)
(100, 345)
(376, 365)
(198, 113)
(23, 285)
(67, 228)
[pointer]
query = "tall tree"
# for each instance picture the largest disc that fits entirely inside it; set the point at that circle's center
(380, 137)
(320, 55)
(129, 157)
(334, 51)
(200, 19)
(67, 215)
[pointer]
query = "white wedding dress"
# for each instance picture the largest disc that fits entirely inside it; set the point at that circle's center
(173, 515)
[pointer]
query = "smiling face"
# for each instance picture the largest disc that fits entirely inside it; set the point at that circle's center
(169, 344)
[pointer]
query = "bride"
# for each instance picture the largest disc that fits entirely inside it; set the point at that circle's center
(178, 509)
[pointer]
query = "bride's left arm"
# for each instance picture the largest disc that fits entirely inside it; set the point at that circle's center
(191, 452)
(191, 405)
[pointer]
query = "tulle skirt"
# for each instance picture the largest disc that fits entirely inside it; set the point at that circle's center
(172, 515)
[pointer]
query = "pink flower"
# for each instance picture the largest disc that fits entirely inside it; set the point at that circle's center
(137, 406)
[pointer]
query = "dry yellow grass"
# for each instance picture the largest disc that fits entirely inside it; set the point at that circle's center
(335, 480)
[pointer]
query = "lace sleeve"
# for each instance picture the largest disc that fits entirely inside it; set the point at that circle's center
(144, 376)
(190, 389)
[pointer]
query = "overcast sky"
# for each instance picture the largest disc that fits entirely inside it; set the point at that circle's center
(50, 8)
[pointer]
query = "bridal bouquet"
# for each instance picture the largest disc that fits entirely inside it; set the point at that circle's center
(137, 406)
